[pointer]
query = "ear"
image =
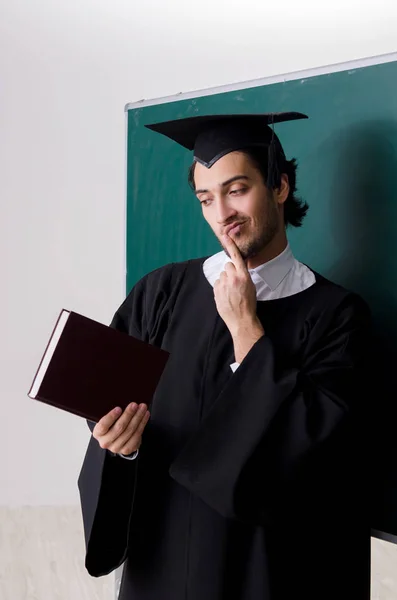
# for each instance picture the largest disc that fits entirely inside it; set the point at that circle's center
(281, 193)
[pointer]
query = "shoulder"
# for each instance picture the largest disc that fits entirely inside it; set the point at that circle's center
(171, 274)
(153, 297)
(338, 302)
(165, 280)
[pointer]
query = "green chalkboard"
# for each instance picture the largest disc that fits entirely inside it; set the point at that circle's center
(347, 156)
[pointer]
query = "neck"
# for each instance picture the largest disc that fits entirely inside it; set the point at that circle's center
(270, 251)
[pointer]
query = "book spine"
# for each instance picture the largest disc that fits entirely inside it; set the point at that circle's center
(45, 352)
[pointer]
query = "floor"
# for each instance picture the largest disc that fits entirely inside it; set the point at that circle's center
(42, 558)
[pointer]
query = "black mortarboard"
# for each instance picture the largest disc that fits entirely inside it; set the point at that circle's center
(214, 136)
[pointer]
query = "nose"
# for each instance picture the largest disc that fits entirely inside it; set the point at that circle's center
(224, 211)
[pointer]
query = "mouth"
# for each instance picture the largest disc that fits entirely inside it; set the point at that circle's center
(234, 228)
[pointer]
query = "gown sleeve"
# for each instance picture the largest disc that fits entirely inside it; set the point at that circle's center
(277, 431)
(107, 482)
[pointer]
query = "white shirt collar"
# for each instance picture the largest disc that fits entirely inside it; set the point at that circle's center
(272, 272)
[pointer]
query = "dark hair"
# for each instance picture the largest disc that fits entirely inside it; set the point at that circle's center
(295, 209)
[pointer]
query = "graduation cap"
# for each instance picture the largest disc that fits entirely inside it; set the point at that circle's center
(213, 136)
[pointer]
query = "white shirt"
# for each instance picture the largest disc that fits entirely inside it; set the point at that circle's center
(278, 278)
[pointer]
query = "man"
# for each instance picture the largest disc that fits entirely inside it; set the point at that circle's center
(246, 479)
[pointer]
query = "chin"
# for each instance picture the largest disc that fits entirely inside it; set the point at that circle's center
(244, 251)
(247, 254)
(249, 251)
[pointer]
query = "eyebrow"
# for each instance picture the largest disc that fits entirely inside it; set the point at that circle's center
(225, 183)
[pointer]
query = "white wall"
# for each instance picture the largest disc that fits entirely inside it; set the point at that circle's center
(66, 71)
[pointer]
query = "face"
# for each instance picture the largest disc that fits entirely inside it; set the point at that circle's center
(235, 200)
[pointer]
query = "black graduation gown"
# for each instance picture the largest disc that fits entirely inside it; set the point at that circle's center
(248, 486)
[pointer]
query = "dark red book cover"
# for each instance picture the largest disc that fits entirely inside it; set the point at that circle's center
(95, 368)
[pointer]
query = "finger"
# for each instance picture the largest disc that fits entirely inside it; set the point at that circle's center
(104, 424)
(135, 442)
(143, 423)
(129, 442)
(234, 253)
(120, 426)
(229, 266)
(119, 436)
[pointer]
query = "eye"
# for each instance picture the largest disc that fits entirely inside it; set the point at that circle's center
(205, 201)
(237, 192)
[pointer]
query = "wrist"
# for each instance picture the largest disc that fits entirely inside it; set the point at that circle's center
(245, 337)
(131, 456)
(129, 453)
(248, 327)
